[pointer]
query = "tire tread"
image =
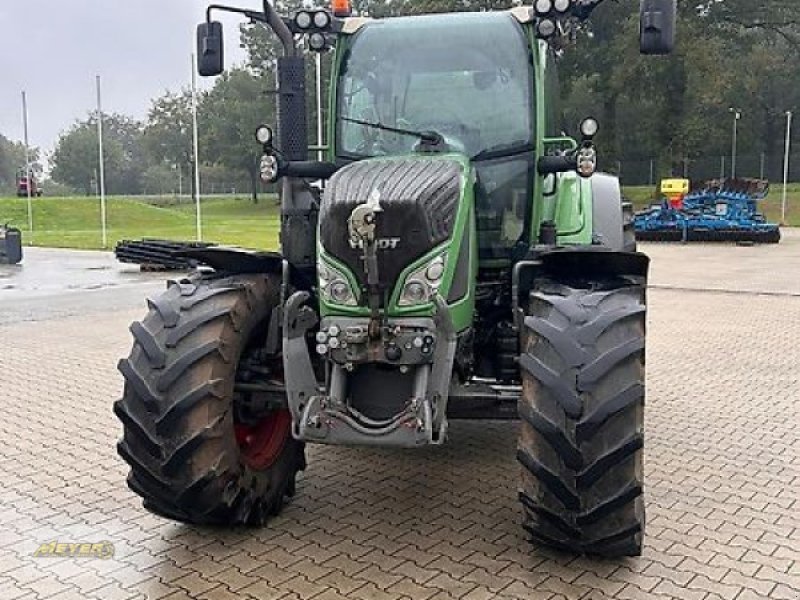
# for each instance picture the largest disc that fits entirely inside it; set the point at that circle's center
(177, 430)
(582, 440)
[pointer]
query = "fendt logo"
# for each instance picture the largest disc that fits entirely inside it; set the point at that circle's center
(387, 243)
(380, 244)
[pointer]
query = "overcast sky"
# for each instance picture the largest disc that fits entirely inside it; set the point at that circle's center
(54, 48)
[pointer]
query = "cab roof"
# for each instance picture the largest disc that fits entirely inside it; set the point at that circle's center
(523, 14)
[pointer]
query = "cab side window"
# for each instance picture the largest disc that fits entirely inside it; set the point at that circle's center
(552, 91)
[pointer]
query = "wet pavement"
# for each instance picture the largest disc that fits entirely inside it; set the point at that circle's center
(55, 283)
(722, 463)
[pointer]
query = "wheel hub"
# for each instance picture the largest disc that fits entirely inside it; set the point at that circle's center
(262, 443)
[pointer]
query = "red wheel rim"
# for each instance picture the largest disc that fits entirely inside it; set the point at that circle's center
(261, 444)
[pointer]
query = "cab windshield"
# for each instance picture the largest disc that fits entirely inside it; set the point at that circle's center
(467, 77)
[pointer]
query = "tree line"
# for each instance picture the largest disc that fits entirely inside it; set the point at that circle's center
(730, 54)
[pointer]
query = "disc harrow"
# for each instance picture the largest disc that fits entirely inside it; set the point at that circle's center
(720, 210)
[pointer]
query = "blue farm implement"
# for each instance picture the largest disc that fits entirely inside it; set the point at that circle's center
(716, 211)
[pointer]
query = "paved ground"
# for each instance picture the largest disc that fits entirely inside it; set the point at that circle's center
(52, 283)
(722, 466)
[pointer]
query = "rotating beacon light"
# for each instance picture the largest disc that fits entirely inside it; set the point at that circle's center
(341, 8)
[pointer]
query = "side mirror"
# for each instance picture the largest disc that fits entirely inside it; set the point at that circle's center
(210, 49)
(657, 26)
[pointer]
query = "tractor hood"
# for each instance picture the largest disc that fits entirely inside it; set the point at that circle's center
(418, 199)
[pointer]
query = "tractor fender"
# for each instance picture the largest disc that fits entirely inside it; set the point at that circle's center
(607, 222)
(241, 260)
(576, 263)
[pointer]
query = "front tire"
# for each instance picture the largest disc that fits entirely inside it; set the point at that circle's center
(190, 458)
(582, 410)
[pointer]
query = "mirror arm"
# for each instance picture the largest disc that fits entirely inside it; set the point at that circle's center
(309, 169)
(268, 17)
(280, 28)
(557, 164)
(250, 14)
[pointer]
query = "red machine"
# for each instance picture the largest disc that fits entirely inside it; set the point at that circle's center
(24, 182)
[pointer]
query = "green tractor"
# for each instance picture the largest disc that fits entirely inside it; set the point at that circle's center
(454, 256)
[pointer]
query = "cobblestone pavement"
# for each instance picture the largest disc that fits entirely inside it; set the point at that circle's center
(722, 473)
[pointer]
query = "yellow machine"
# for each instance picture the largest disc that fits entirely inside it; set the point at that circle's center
(675, 191)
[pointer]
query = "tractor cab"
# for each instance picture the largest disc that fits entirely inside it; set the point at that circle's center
(468, 78)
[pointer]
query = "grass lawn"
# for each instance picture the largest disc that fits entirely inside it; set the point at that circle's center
(75, 222)
(771, 206)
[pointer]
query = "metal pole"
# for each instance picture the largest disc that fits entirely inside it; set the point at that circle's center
(786, 164)
(196, 153)
(761, 169)
(27, 163)
(736, 116)
(102, 165)
(652, 171)
(733, 151)
(320, 154)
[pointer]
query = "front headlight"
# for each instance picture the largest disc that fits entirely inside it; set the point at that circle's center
(334, 286)
(423, 284)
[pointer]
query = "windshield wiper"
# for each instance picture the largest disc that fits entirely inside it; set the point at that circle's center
(429, 138)
(504, 150)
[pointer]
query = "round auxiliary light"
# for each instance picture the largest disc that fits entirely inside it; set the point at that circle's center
(303, 20)
(322, 337)
(589, 127)
(435, 271)
(269, 169)
(546, 28)
(586, 168)
(561, 6)
(317, 42)
(543, 7)
(322, 19)
(416, 292)
(340, 292)
(587, 162)
(264, 134)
